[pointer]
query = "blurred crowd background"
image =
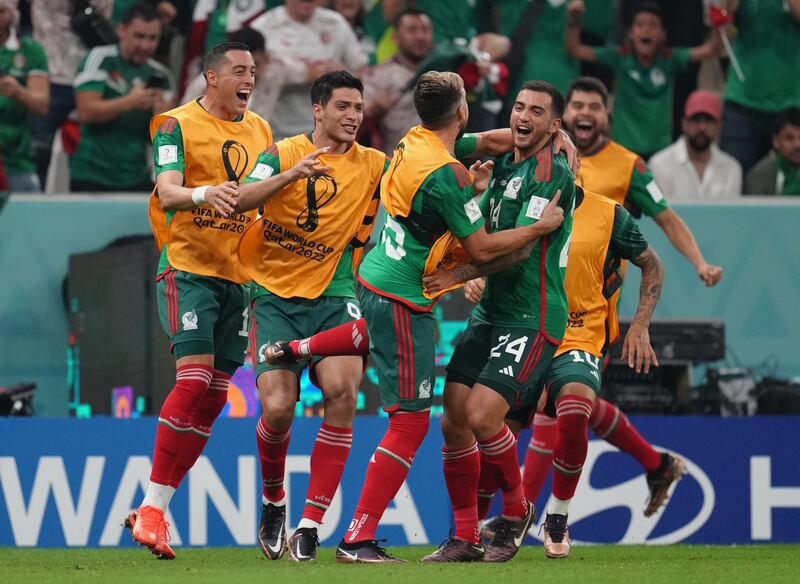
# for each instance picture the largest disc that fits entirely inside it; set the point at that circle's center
(706, 91)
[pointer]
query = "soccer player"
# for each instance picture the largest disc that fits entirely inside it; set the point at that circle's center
(201, 150)
(603, 235)
(611, 170)
(319, 200)
(514, 331)
(426, 193)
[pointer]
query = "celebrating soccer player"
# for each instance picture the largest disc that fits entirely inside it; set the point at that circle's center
(201, 150)
(513, 334)
(319, 192)
(603, 235)
(427, 193)
(611, 170)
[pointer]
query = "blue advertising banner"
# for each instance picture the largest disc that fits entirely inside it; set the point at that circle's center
(66, 482)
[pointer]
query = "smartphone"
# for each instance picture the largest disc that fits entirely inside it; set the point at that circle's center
(157, 81)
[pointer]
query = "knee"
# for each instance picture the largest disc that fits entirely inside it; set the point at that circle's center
(341, 395)
(456, 430)
(277, 404)
(480, 424)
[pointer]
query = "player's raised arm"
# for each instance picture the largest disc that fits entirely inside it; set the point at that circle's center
(572, 37)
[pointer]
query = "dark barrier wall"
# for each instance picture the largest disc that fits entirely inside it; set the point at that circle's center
(756, 241)
(71, 482)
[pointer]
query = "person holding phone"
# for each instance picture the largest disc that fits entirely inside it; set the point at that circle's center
(118, 88)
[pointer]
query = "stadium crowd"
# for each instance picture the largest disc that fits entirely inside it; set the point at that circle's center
(97, 70)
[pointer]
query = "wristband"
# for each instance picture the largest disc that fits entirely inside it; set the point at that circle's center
(199, 195)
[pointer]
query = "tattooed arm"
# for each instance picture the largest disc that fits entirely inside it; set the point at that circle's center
(636, 346)
(443, 279)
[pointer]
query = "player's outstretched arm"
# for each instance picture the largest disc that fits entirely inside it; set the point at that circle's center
(175, 197)
(636, 347)
(682, 238)
(252, 194)
(572, 38)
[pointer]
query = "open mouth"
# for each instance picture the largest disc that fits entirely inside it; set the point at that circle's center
(523, 131)
(584, 129)
(243, 96)
(350, 128)
(646, 41)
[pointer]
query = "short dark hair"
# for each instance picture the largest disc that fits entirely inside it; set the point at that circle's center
(251, 38)
(408, 11)
(545, 87)
(789, 117)
(437, 94)
(216, 54)
(140, 10)
(649, 8)
(589, 85)
(323, 86)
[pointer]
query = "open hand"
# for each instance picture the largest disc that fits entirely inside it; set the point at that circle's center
(563, 143)
(637, 348)
(481, 173)
(310, 165)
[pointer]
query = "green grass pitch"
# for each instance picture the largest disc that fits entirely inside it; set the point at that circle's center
(679, 564)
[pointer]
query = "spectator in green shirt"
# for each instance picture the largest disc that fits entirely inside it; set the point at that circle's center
(766, 45)
(118, 88)
(24, 91)
(644, 75)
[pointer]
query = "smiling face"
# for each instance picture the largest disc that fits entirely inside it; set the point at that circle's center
(586, 117)
(341, 117)
(532, 120)
(646, 34)
(232, 81)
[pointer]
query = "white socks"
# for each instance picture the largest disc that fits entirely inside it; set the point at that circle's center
(158, 496)
(281, 503)
(558, 507)
(308, 523)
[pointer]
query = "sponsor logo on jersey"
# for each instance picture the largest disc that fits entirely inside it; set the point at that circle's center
(655, 192)
(507, 370)
(189, 321)
(262, 353)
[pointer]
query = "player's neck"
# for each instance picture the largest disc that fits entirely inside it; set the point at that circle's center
(215, 107)
(448, 137)
(320, 140)
(407, 61)
(523, 154)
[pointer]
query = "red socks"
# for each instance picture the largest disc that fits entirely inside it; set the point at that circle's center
(210, 407)
(175, 419)
(571, 444)
(272, 448)
(610, 424)
(500, 452)
(487, 487)
(386, 471)
(327, 464)
(462, 469)
(539, 455)
(347, 339)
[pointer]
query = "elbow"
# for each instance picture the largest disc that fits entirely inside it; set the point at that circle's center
(84, 116)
